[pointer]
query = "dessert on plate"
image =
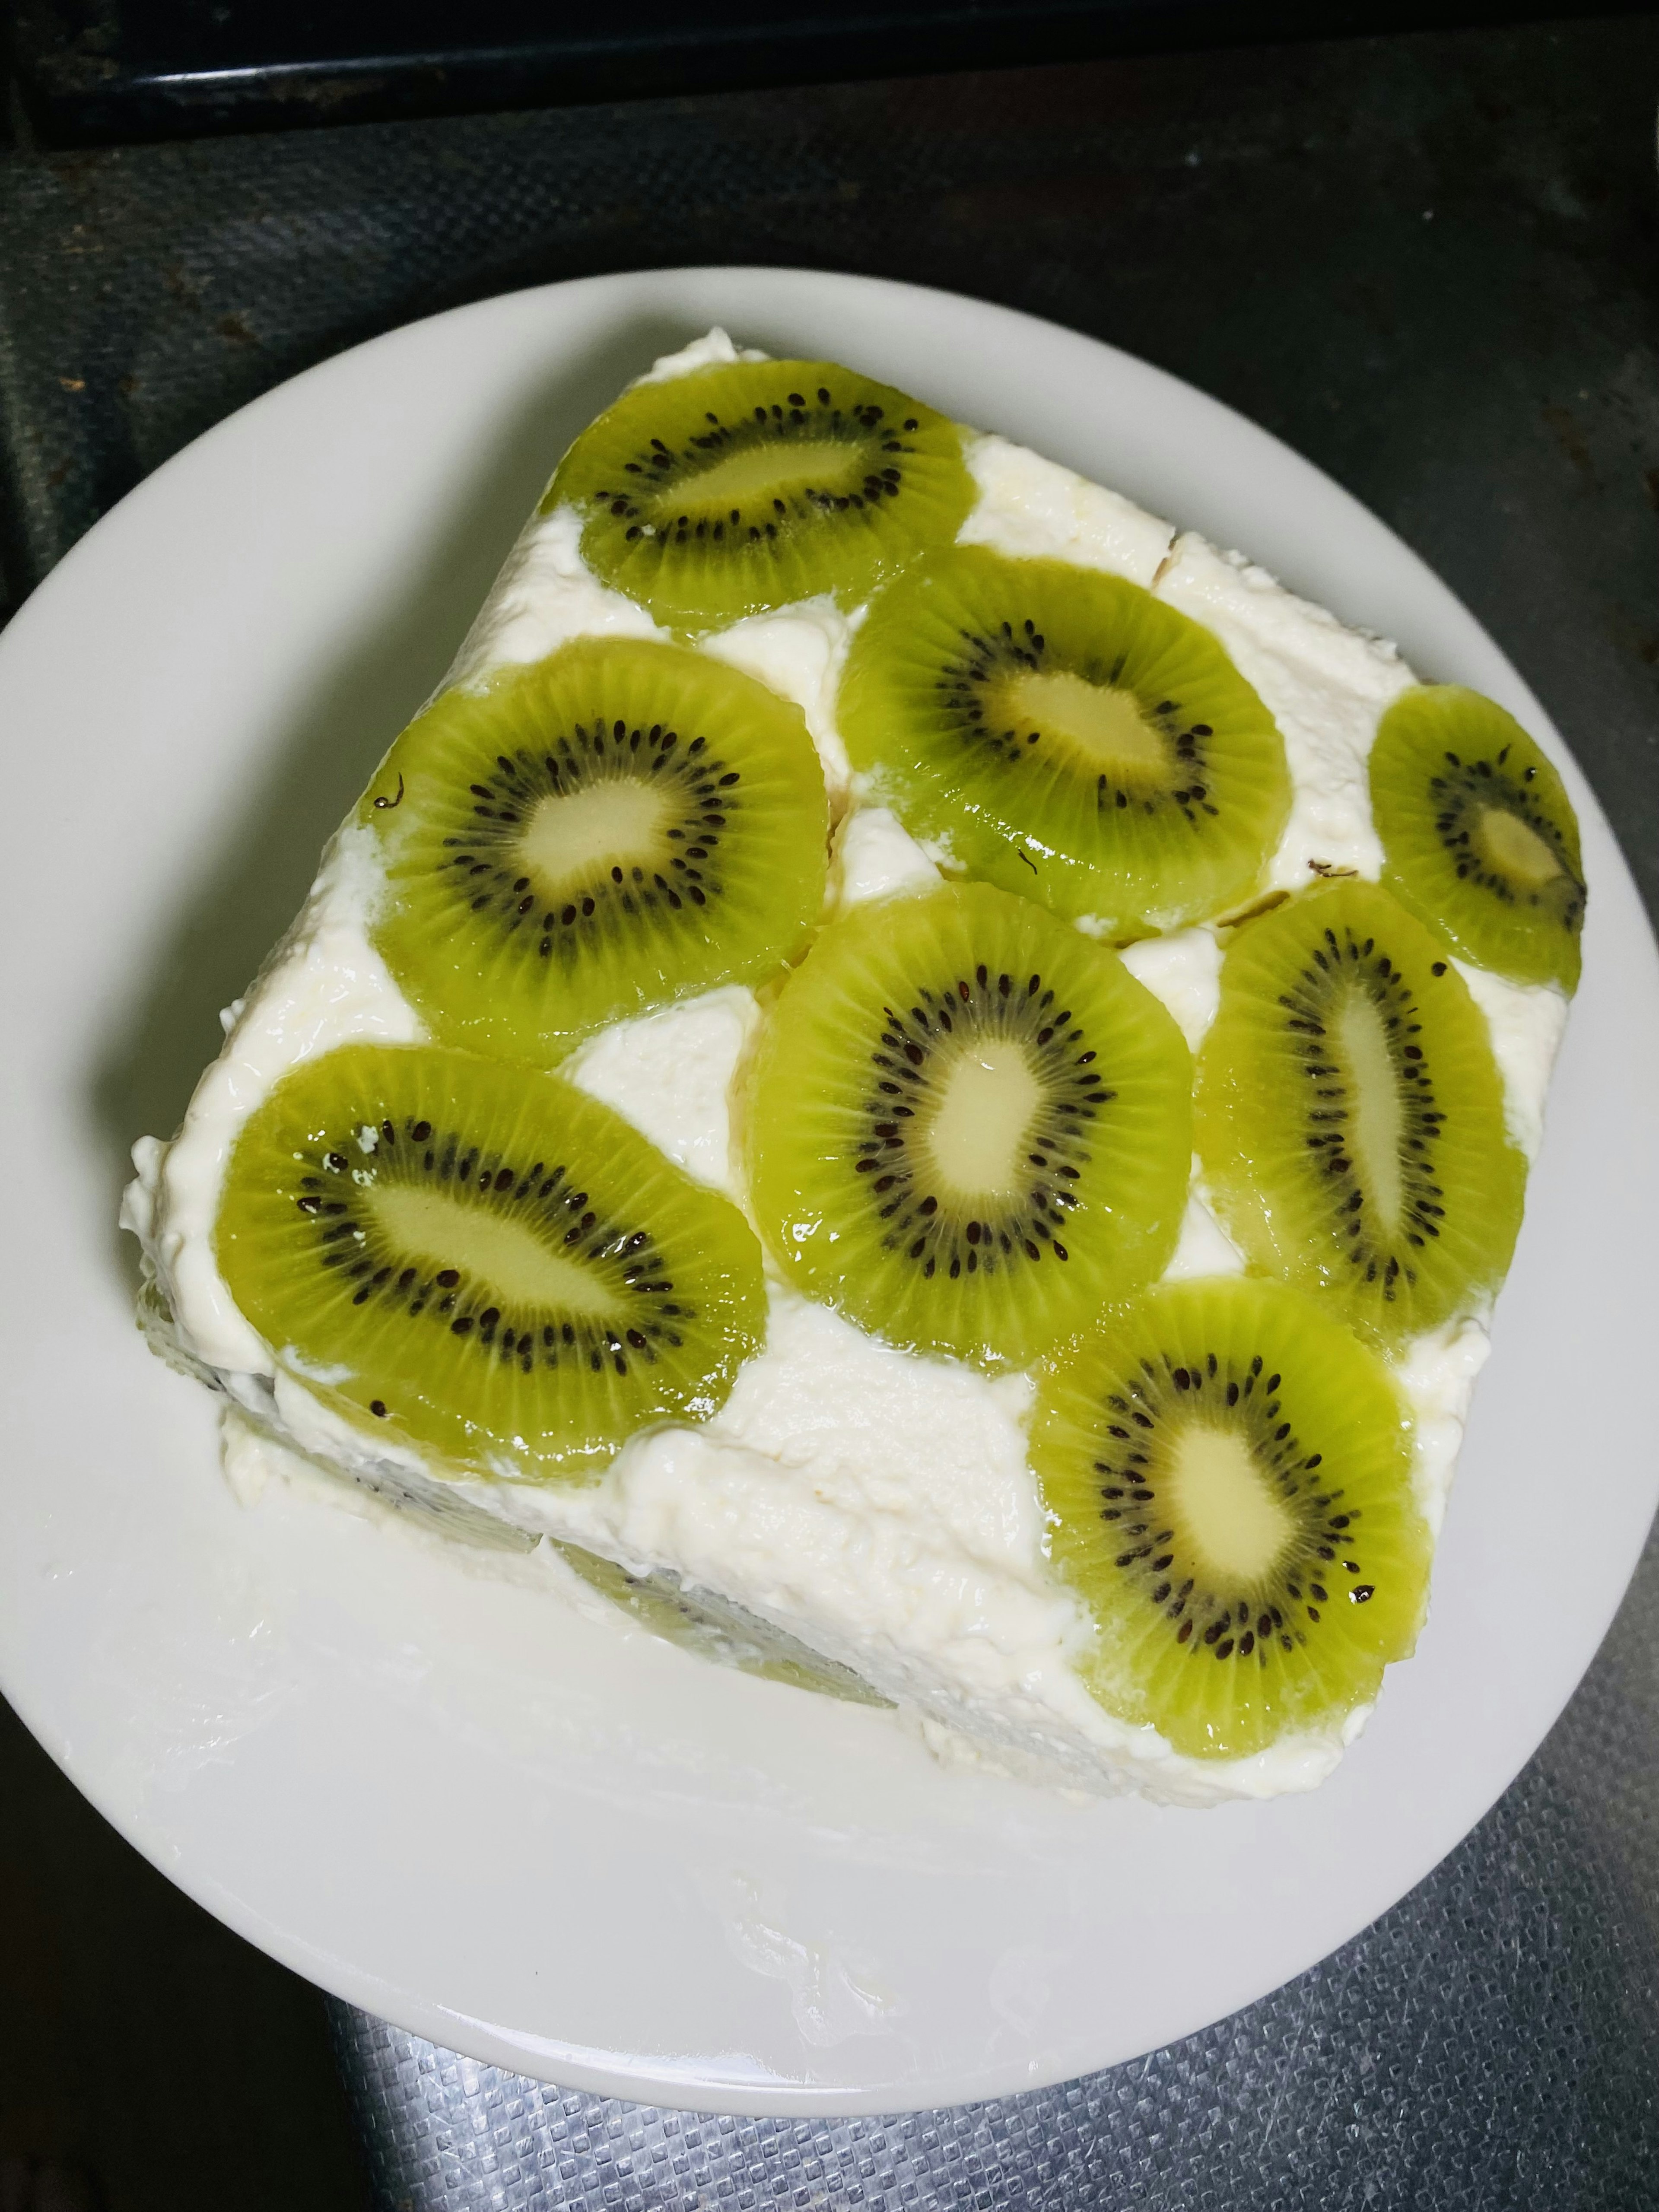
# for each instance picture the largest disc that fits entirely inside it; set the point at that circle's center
(914, 1078)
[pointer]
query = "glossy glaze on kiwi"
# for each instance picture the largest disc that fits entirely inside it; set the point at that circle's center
(620, 825)
(969, 1125)
(1481, 839)
(1349, 1114)
(1228, 1476)
(1064, 735)
(477, 1260)
(750, 485)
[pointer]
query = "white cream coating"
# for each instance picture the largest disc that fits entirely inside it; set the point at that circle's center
(1204, 1247)
(323, 986)
(1437, 1373)
(714, 349)
(1184, 970)
(799, 652)
(918, 1557)
(873, 856)
(544, 597)
(1325, 686)
(669, 1074)
(1035, 509)
(1527, 1022)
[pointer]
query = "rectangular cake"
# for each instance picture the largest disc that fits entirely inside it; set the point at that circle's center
(894, 1490)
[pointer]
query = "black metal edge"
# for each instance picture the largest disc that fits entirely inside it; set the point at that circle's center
(77, 90)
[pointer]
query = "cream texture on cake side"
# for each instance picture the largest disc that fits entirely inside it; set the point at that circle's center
(875, 1504)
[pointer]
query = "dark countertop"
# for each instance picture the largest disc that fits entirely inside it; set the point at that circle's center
(1428, 261)
(1424, 261)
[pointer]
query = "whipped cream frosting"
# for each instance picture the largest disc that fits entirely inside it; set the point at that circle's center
(875, 1503)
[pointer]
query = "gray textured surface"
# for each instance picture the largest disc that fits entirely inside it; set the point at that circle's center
(1430, 264)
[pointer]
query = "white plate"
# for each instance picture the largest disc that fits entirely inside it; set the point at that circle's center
(559, 1845)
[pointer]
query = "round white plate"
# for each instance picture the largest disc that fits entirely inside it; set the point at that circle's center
(556, 1843)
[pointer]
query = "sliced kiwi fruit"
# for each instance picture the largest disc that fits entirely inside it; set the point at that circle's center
(1350, 1114)
(969, 1124)
(621, 824)
(1067, 736)
(753, 484)
(1227, 1474)
(1479, 836)
(717, 1628)
(478, 1260)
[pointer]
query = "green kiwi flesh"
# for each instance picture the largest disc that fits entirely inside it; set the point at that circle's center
(717, 1628)
(750, 485)
(477, 1259)
(622, 824)
(1067, 736)
(969, 1124)
(1349, 1114)
(1481, 839)
(1227, 1474)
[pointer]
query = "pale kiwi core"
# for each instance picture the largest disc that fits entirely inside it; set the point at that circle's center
(1516, 847)
(435, 1230)
(569, 839)
(977, 1135)
(1376, 1125)
(1103, 724)
(1230, 1518)
(764, 471)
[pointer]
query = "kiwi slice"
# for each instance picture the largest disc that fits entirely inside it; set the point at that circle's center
(1227, 1474)
(753, 484)
(618, 825)
(718, 1628)
(971, 1125)
(1065, 734)
(480, 1260)
(1479, 836)
(1350, 1114)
